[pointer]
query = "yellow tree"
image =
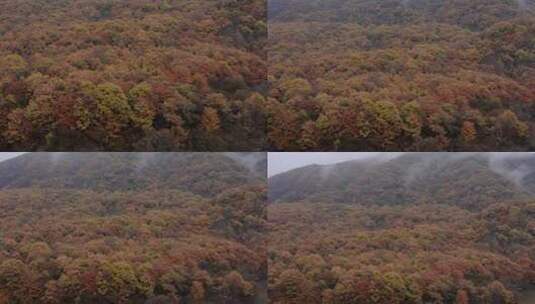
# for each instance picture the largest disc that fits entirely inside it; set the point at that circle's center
(210, 120)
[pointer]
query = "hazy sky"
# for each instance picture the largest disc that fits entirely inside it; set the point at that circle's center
(8, 155)
(279, 162)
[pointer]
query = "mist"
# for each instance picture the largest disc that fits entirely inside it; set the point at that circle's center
(498, 162)
(8, 155)
(280, 162)
(246, 159)
(512, 166)
(526, 4)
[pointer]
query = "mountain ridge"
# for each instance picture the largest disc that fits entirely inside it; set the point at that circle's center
(471, 180)
(204, 174)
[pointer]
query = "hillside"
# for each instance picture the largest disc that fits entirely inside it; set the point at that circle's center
(131, 228)
(414, 229)
(205, 174)
(470, 180)
(93, 75)
(412, 75)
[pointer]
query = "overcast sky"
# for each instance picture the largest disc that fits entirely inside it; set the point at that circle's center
(279, 162)
(8, 155)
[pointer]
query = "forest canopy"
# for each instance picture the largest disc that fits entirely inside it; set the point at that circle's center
(132, 75)
(401, 75)
(443, 228)
(81, 242)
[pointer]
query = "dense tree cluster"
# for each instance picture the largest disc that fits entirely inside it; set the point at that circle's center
(149, 245)
(419, 228)
(401, 75)
(423, 253)
(132, 75)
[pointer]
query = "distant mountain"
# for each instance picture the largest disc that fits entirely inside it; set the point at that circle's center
(446, 228)
(470, 180)
(205, 174)
(466, 13)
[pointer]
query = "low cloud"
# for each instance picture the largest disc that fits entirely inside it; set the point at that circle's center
(280, 162)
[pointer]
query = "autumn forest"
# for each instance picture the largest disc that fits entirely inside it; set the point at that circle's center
(333, 75)
(448, 228)
(267, 151)
(132, 75)
(171, 228)
(123, 228)
(401, 75)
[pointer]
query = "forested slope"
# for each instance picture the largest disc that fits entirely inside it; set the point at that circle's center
(437, 229)
(409, 75)
(123, 75)
(204, 174)
(104, 242)
(467, 179)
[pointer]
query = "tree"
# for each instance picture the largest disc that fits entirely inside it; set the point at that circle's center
(118, 281)
(411, 121)
(237, 286)
(462, 297)
(39, 250)
(379, 123)
(293, 286)
(499, 294)
(210, 120)
(12, 65)
(297, 87)
(197, 292)
(142, 108)
(13, 280)
(106, 111)
(509, 128)
(468, 132)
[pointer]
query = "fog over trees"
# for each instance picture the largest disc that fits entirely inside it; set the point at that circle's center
(132, 228)
(415, 228)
